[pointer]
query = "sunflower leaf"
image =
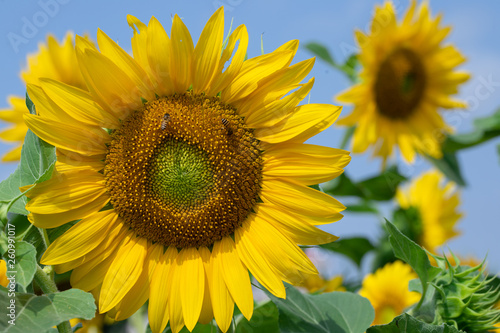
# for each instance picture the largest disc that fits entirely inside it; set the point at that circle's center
(23, 264)
(484, 129)
(36, 165)
(380, 188)
(264, 319)
(354, 248)
(410, 252)
(39, 313)
(321, 52)
(406, 323)
(341, 312)
(449, 166)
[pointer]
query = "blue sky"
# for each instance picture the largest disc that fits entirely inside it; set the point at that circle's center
(327, 22)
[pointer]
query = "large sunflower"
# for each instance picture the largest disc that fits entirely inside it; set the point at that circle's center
(53, 60)
(407, 75)
(184, 176)
(436, 203)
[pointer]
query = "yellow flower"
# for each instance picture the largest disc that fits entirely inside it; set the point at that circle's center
(3, 273)
(387, 291)
(407, 75)
(186, 176)
(53, 60)
(315, 283)
(437, 206)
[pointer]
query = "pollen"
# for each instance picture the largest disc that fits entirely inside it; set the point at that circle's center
(184, 170)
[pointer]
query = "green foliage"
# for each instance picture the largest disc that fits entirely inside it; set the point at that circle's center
(340, 312)
(354, 248)
(40, 313)
(348, 67)
(449, 166)
(37, 163)
(264, 319)
(484, 129)
(411, 253)
(379, 188)
(25, 263)
(465, 298)
(407, 324)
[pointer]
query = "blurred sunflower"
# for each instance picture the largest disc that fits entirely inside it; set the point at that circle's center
(185, 177)
(407, 75)
(316, 283)
(3, 273)
(53, 60)
(436, 204)
(387, 291)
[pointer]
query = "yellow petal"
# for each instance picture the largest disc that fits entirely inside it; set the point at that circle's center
(235, 275)
(302, 199)
(174, 306)
(123, 273)
(159, 49)
(80, 239)
(160, 291)
(252, 71)
(208, 52)
(78, 104)
(114, 90)
(86, 141)
(181, 61)
(139, 40)
(221, 81)
(307, 121)
(192, 285)
(126, 63)
(222, 303)
(298, 229)
(256, 262)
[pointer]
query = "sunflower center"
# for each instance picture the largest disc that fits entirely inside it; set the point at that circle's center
(400, 84)
(183, 170)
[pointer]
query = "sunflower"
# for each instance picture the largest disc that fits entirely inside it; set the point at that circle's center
(53, 60)
(3, 273)
(184, 176)
(407, 75)
(436, 204)
(387, 291)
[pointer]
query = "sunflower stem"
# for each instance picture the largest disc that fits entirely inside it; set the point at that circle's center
(43, 278)
(347, 136)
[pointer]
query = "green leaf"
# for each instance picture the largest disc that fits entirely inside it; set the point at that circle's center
(484, 129)
(40, 313)
(321, 52)
(339, 312)
(199, 328)
(37, 162)
(407, 324)
(348, 67)
(363, 207)
(411, 253)
(36, 165)
(24, 263)
(449, 166)
(354, 248)
(264, 319)
(380, 188)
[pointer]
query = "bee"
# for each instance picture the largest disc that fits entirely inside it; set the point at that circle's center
(165, 120)
(227, 126)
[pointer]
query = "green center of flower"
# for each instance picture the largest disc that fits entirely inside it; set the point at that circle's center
(184, 170)
(400, 84)
(181, 174)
